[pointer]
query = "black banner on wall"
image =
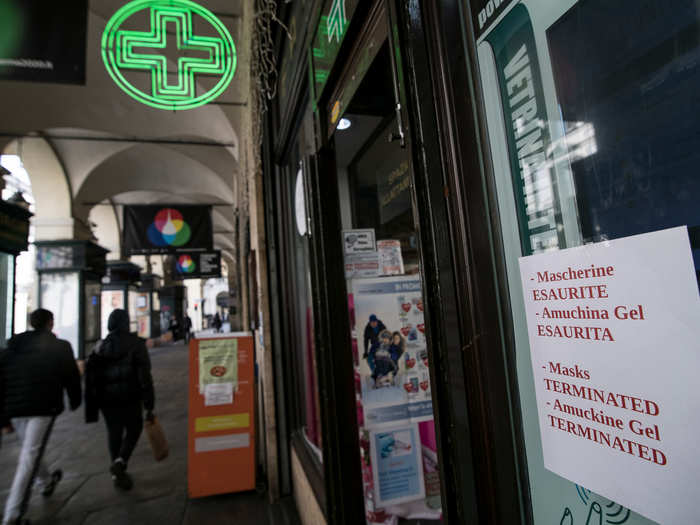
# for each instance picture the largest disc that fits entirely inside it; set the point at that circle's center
(197, 265)
(43, 41)
(167, 228)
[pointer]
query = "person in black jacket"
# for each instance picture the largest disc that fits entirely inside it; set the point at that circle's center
(35, 369)
(372, 330)
(118, 383)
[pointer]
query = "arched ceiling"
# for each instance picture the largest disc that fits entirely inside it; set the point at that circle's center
(113, 148)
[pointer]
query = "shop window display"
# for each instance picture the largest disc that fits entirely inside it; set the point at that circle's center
(382, 268)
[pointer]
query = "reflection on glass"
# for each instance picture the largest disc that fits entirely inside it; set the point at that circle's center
(92, 312)
(59, 294)
(6, 293)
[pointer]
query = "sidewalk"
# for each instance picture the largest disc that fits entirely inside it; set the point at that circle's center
(86, 495)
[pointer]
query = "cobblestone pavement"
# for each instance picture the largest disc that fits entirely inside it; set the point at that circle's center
(86, 495)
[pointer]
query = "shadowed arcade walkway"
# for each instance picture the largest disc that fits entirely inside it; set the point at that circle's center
(86, 495)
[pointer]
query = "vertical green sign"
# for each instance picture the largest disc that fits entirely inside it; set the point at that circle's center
(526, 124)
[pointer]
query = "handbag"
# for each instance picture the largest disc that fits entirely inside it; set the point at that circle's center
(157, 439)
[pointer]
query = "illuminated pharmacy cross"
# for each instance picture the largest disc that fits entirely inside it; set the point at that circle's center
(157, 38)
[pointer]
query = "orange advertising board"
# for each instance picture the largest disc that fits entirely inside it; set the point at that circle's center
(221, 433)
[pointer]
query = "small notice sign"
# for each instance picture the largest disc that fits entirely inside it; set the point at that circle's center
(614, 331)
(359, 241)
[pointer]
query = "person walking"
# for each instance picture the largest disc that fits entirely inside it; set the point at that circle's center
(35, 369)
(217, 323)
(188, 328)
(119, 384)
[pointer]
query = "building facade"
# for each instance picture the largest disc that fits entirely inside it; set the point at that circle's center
(414, 154)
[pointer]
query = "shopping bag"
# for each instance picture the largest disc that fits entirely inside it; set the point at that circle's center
(156, 437)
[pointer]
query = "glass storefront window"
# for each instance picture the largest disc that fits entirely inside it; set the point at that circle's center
(60, 295)
(7, 262)
(592, 138)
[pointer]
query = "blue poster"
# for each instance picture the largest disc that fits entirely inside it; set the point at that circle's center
(397, 466)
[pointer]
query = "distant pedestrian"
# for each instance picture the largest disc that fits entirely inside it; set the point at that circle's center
(188, 328)
(35, 369)
(174, 328)
(217, 322)
(118, 383)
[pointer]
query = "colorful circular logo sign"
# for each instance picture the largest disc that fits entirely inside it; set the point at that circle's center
(185, 264)
(169, 229)
(129, 49)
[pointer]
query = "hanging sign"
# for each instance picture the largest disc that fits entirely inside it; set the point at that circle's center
(43, 41)
(197, 265)
(14, 228)
(615, 345)
(167, 229)
(201, 68)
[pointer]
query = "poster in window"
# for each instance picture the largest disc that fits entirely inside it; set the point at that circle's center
(397, 465)
(393, 358)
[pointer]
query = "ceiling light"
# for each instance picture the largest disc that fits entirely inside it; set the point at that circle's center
(344, 124)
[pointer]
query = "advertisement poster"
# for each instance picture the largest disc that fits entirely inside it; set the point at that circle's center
(397, 465)
(393, 359)
(615, 343)
(197, 265)
(218, 365)
(390, 258)
(167, 228)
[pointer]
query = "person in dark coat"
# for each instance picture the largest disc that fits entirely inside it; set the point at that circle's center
(35, 370)
(372, 330)
(118, 383)
(188, 328)
(217, 322)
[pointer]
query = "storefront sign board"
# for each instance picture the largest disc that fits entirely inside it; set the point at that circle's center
(221, 437)
(615, 342)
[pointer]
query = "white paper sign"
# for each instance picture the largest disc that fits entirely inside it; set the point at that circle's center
(390, 257)
(614, 331)
(225, 442)
(218, 394)
(359, 241)
(358, 265)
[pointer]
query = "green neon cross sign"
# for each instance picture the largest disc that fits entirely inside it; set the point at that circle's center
(124, 50)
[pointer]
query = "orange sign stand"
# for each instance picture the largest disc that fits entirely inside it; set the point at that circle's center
(221, 428)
